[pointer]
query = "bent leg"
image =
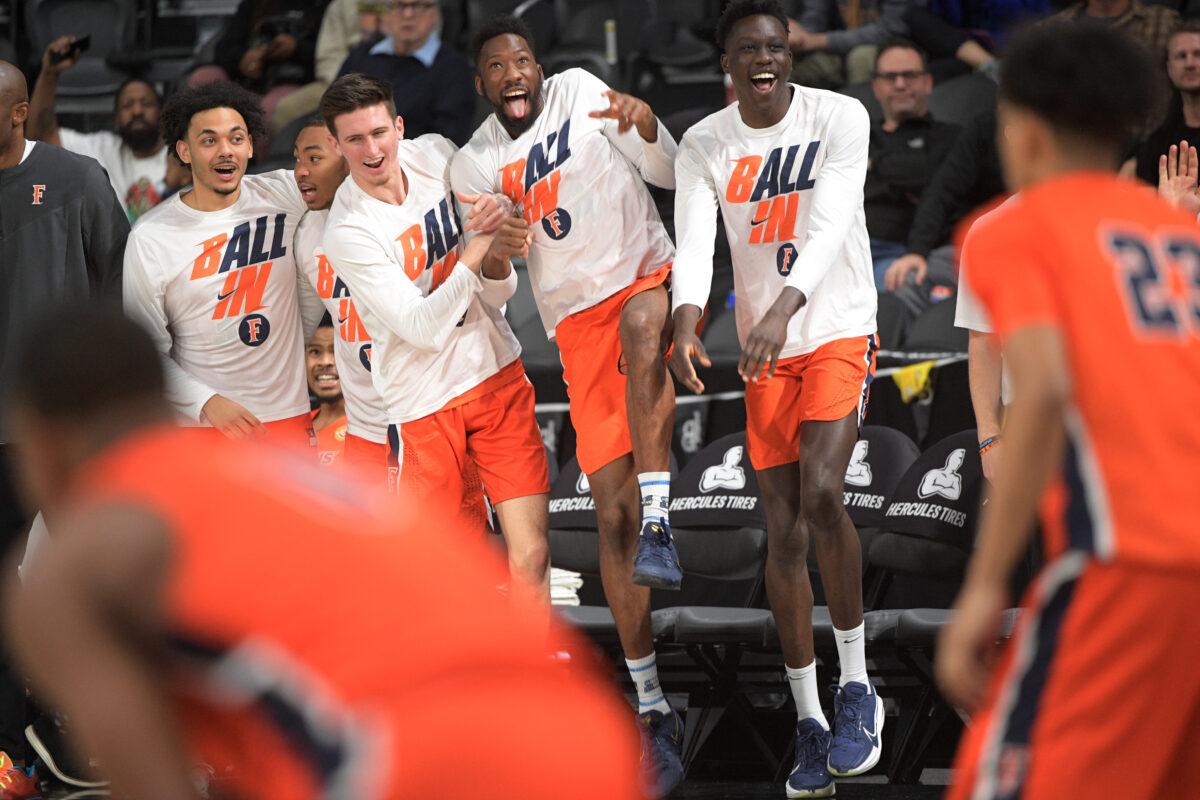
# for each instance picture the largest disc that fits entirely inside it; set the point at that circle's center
(649, 393)
(614, 489)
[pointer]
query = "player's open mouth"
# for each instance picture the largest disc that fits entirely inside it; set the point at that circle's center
(226, 170)
(327, 379)
(516, 103)
(763, 82)
(307, 191)
(376, 164)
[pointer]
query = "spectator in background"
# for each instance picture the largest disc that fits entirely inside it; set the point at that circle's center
(828, 57)
(1150, 24)
(994, 18)
(905, 150)
(134, 156)
(268, 47)
(346, 23)
(1183, 117)
(432, 83)
(969, 177)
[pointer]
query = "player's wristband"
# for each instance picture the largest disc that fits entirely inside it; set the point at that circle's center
(988, 443)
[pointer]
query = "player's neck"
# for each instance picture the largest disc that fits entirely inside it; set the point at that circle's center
(1078, 159)
(11, 155)
(329, 413)
(759, 116)
(203, 198)
(392, 191)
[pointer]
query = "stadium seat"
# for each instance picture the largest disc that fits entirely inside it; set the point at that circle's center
(892, 319)
(934, 331)
(862, 93)
(961, 99)
(90, 84)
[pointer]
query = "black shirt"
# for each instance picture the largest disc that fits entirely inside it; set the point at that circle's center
(902, 163)
(1157, 144)
(436, 99)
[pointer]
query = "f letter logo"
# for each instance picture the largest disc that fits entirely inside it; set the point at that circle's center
(39, 189)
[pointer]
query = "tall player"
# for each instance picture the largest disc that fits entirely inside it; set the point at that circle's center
(1098, 694)
(444, 359)
(785, 165)
(319, 171)
(184, 568)
(575, 155)
(211, 274)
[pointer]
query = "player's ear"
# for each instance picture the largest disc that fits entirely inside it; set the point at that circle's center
(400, 125)
(479, 86)
(724, 63)
(20, 112)
(184, 152)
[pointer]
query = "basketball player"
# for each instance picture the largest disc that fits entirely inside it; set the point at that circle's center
(444, 359)
(211, 273)
(329, 417)
(785, 166)
(175, 618)
(319, 171)
(1082, 273)
(574, 156)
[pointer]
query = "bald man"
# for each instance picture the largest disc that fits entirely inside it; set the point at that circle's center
(62, 239)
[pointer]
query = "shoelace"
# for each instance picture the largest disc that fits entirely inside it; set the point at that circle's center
(661, 552)
(849, 716)
(810, 750)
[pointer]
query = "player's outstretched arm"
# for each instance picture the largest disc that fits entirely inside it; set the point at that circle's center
(691, 276)
(1035, 437)
(652, 151)
(99, 591)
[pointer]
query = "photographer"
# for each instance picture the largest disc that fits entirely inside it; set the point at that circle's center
(268, 47)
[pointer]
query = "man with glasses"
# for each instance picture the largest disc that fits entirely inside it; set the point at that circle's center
(432, 83)
(906, 147)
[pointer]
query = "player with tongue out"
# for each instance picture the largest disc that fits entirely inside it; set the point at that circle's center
(575, 157)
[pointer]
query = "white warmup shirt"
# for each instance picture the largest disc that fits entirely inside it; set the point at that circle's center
(970, 314)
(139, 182)
(217, 292)
(581, 186)
(366, 417)
(792, 199)
(437, 329)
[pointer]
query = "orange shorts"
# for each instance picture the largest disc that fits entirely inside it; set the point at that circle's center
(366, 457)
(1098, 695)
(489, 435)
(589, 343)
(293, 432)
(824, 385)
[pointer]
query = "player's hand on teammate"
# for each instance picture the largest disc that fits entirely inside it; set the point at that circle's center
(476, 251)
(968, 647)
(59, 47)
(1178, 172)
(231, 419)
(512, 238)
(904, 266)
(488, 211)
(629, 112)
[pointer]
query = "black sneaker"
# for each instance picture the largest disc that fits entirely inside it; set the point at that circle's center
(662, 741)
(656, 563)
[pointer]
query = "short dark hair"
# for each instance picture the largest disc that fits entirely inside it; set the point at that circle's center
(326, 321)
(180, 107)
(499, 25)
(1086, 80)
(125, 84)
(738, 10)
(352, 92)
(898, 43)
(79, 361)
(314, 121)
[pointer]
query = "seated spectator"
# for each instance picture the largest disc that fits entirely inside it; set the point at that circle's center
(906, 148)
(346, 23)
(1183, 117)
(828, 57)
(994, 18)
(432, 83)
(1150, 24)
(969, 177)
(268, 47)
(134, 156)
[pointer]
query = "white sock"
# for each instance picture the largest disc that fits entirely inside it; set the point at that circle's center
(644, 672)
(803, 683)
(656, 496)
(852, 655)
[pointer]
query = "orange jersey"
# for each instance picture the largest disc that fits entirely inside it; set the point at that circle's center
(331, 440)
(1117, 272)
(324, 648)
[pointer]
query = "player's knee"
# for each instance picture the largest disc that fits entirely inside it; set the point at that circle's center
(617, 523)
(642, 325)
(821, 500)
(790, 551)
(531, 561)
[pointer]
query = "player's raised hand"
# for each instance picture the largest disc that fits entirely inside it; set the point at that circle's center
(967, 647)
(488, 210)
(629, 112)
(1178, 174)
(231, 419)
(476, 251)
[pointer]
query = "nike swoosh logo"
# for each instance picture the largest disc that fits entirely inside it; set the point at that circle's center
(225, 296)
(757, 222)
(342, 320)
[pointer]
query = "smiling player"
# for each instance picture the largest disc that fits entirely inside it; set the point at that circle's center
(785, 166)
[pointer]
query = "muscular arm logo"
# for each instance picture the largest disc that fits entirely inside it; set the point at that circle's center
(726, 475)
(858, 471)
(945, 482)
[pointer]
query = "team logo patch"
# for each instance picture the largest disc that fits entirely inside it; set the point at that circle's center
(785, 258)
(364, 356)
(39, 189)
(557, 224)
(726, 475)
(254, 329)
(944, 482)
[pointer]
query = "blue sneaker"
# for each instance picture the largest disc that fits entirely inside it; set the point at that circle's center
(656, 563)
(662, 741)
(857, 730)
(810, 776)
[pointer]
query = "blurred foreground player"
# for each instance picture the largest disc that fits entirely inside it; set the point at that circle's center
(169, 634)
(785, 166)
(1093, 286)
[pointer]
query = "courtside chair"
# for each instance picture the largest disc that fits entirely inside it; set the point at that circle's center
(111, 24)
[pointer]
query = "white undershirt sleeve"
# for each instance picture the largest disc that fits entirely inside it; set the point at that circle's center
(654, 160)
(695, 228)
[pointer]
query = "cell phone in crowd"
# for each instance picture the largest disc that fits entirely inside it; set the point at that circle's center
(77, 47)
